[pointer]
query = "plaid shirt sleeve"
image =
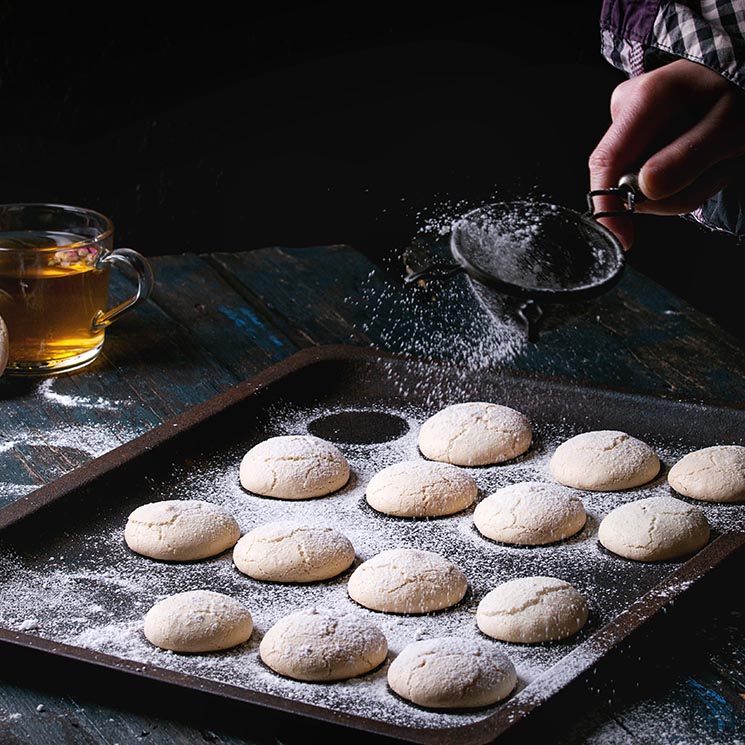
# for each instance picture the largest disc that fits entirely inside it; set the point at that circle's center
(639, 35)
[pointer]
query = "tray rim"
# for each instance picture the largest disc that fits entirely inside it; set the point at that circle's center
(513, 710)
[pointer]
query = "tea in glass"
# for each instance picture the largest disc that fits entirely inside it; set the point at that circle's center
(54, 283)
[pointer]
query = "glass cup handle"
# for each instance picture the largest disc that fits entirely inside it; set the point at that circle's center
(145, 284)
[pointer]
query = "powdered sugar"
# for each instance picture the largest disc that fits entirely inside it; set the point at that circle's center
(46, 389)
(88, 590)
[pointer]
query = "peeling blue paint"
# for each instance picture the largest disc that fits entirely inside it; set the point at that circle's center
(720, 709)
(243, 318)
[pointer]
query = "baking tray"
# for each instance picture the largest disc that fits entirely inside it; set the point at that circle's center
(70, 586)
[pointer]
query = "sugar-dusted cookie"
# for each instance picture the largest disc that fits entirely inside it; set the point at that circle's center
(452, 673)
(604, 460)
(475, 433)
(290, 551)
(654, 529)
(421, 488)
(528, 610)
(294, 467)
(323, 645)
(713, 474)
(530, 513)
(406, 580)
(180, 530)
(198, 621)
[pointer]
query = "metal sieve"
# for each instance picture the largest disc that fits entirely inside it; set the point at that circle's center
(537, 251)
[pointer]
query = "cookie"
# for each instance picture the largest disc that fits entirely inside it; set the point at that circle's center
(180, 530)
(529, 610)
(198, 621)
(406, 580)
(475, 433)
(713, 474)
(530, 513)
(323, 645)
(294, 467)
(287, 551)
(604, 460)
(654, 529)
(420, 488)
(451, 673)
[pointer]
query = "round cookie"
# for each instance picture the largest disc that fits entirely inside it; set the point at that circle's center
(604, 460)
(294, 467)
(530, 513)
(713, 474)
(420, 488)
(529, 610)
(654, 529)
(198, 621)
(451, 673)
(407, 580)
(322, 645)
(475, 433)
(287, 551)
(180, 530)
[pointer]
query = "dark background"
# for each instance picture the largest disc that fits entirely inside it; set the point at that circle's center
(221, 127)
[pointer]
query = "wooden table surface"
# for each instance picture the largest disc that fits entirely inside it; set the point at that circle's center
(217, 319)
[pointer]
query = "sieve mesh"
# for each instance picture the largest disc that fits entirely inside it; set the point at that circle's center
(536, 248)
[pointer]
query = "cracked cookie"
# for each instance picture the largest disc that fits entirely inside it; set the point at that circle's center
(475, 433)
(198, 621)
(407, 580)
(604, 460)
(323, 645)
(654, 529)
(180, 530)
(294, 467)
(530, 610)
(451, 672)
(286, 551)
(530, 513)
(420, 488)
(713, 474)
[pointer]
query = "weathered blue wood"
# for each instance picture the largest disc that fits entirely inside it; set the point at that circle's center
(638, 336)
(229, 326)
(314, 294)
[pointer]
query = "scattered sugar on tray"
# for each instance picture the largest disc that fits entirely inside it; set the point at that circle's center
(76, 601)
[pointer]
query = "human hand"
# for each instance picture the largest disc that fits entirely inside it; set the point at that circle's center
(682, 127)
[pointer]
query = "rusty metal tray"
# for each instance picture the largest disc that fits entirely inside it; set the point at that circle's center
(70, 587)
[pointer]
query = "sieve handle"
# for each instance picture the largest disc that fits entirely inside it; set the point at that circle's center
(627, 190)
(439, 270)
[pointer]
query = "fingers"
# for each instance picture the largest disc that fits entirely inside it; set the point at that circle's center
(696, 193)
(626, 143)
(682, 127)
(719, 136)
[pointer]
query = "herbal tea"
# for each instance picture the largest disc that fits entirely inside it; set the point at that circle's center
(54, 283)
(50, 293)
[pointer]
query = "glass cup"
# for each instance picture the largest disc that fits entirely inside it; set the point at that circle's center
(55, 262)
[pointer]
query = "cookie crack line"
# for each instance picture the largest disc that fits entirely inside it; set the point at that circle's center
(455, 437)
(539, 596)
(287, 536)
(422, 577)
